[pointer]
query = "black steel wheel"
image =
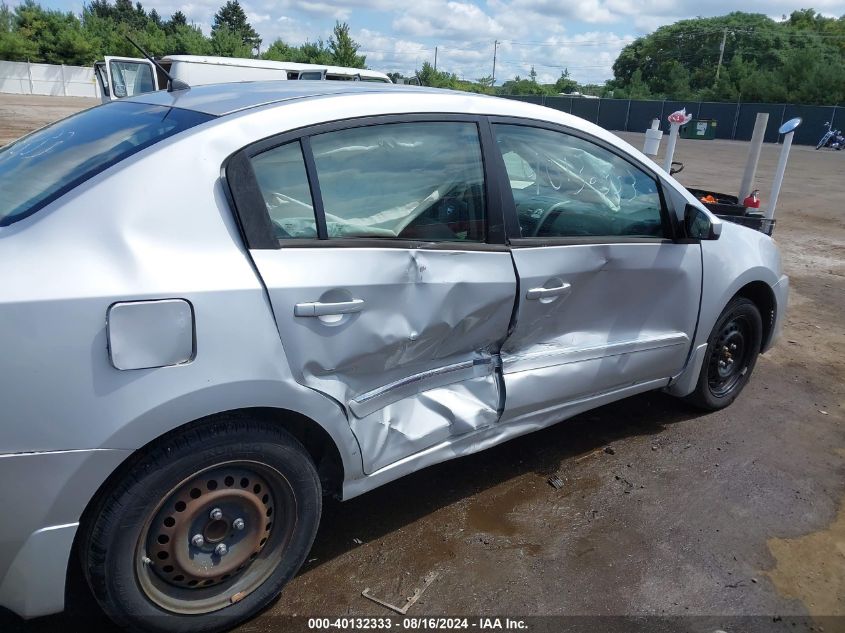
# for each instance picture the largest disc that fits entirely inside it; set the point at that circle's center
(732, 351)
(203, 529)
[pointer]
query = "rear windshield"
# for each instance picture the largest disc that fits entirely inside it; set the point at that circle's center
(40, 167)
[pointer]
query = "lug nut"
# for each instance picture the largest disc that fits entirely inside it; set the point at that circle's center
(733, 347)
(197, 540)
(216, 514)
(221, 549)
(238, 524)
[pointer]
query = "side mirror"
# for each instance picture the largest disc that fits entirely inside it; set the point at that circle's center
(698, 225)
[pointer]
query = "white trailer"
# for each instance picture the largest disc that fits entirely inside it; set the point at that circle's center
(126, 76)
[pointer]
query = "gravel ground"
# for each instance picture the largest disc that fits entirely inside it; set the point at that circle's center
(735, 513)
(20, 114)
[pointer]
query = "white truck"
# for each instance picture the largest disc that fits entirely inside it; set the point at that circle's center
(127, 76)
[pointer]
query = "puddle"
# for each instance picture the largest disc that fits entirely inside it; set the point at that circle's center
(811, 568)
(495, 515)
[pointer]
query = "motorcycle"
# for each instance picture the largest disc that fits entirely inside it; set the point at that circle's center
(832, 138)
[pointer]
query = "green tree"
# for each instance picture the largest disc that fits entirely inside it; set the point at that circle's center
(13, 45)
(184, 39)
(231, 20)
(764, 59)
(674, 82)
(279, 51)
(313, 53)
(57, 35)
(176, 20)
(436, 78)
(228, 43)
(343, 49)
(520, 86)
(565, 84)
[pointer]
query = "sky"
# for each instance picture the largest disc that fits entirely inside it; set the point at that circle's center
(584, 36)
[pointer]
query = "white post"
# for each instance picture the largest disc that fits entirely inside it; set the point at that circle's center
(652, 138)
(747, 184)
(779, 172)
(29, 74)
(64, 85)
(670, 146)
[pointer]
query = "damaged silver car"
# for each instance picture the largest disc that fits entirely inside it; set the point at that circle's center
(220, 304)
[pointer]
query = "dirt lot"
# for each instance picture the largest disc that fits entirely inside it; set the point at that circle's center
(736, 513)
(20, 114)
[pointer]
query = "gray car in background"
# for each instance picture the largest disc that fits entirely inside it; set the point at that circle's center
(220, 304)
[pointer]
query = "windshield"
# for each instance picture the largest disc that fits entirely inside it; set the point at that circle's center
(40, 167)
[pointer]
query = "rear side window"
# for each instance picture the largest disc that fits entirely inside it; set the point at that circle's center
(417, 181)
(48, 163)
(283, 181)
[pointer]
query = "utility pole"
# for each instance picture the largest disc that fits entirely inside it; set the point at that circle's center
(721, 53)
(435, 59)
(493, 76)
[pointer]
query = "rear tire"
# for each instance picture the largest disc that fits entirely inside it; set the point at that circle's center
(203, 529)
(732, 350)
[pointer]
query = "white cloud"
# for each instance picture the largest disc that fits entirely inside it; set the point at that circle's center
(443, 19)
(325, 8)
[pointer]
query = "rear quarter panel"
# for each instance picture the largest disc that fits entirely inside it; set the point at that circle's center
(158, 226)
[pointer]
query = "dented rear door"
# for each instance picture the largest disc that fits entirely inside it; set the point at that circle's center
(388, 296)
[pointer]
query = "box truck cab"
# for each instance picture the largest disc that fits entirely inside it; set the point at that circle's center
(127, 76)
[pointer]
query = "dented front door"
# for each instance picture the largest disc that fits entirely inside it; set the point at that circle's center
(608, 301)
(397, 313)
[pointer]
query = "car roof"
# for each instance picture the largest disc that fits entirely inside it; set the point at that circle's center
(372, 98)
(227, 98)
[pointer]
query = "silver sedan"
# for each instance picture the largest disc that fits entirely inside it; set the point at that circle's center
(220, 304)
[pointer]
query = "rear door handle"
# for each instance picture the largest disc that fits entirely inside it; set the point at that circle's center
(318, 308)
(543, 293)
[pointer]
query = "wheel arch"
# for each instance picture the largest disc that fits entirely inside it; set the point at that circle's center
(316, 440)
(762, 295)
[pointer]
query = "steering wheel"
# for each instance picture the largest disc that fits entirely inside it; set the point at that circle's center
(588, 221)
(589, 184)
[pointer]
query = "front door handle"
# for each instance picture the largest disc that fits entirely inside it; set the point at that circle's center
(544, 293)
(318, 308)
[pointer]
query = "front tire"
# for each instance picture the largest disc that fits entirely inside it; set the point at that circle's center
(203, 529)
(732, 350)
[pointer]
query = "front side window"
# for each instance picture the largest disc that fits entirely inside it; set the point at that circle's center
(417, 181)
(40, 167)
(564, 186)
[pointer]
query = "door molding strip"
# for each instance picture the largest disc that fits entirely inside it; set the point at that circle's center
(547, 358)
(373, 400)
